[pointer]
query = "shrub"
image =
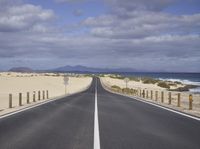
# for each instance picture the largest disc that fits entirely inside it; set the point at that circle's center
(133, 91)
(57, 74)
(177, 82)
(180, 89)
(101, 75)
(163, 84)
(133, 78)
(88, 75)
(147, 80)
(115, 87)
(126, 90)
(184, 89)
(117, 77)
(172, 84)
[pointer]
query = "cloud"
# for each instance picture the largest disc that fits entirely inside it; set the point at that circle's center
(9, 2)
(144, 39)
(130, 5)
(142, 24)
(147, 52)
(23, 17)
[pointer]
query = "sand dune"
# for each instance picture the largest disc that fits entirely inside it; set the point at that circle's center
(131, 84)
(16, 83)
(109, 82)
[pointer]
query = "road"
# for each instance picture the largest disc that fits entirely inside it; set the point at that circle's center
(124, 123)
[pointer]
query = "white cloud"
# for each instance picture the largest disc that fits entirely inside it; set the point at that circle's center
(141, 24)
(23, 17)
(129, 5)
(147, 39)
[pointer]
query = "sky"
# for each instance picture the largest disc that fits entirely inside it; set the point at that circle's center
(153, 35)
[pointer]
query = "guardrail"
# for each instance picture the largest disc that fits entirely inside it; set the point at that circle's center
(14, 100)
(45, 95)
(186, 101)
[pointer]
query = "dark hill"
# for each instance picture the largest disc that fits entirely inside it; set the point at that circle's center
(21, 69)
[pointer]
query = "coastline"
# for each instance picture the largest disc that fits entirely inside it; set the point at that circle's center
(134, 89)
(184, 78)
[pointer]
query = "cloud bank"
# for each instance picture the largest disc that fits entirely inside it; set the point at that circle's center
(133, 33)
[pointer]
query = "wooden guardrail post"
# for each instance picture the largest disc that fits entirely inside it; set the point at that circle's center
(38, 95)
(156, 95)
(179, 100)
(190, 102)
(43, 94)
(147, 94)
(162, 96)
(20, 99)
(10, 100)
(151, 94)
(143, 93)
(170, 98)
(28, 97)
(47, 94)
(34, 96)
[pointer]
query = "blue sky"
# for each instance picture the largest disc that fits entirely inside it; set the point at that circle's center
(65, 11)
(184, 7)
(145, 35)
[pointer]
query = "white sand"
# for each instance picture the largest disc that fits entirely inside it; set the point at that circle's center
(16, 83)
(107, 81)
(131, 84)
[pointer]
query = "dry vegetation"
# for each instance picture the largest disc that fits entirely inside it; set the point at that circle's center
(168, 85)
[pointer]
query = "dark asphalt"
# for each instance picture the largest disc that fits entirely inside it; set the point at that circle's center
(126, 123)
(68, 123)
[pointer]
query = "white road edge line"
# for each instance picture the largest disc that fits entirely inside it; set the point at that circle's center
(96, 122)
(27, 108)
(39, 104)
(156, 105)
(168, 109)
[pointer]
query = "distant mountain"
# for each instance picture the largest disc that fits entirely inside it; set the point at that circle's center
(75, 69)
(80, 68)
(21, 69)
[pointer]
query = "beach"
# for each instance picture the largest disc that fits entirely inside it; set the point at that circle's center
(15, 83)
(113, 83)
(184, 78)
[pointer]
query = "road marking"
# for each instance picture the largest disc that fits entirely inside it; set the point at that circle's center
(32, 106)
(24, 109)
(96, 122)
(156, 105)
(168, 109)
(41, 103)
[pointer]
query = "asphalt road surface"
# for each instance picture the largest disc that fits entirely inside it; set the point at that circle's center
(124, 123)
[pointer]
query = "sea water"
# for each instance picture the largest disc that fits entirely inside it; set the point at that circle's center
(185, 78)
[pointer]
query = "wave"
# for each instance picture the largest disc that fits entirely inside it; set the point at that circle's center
(187, 82)
(183, 81)
(195, 90)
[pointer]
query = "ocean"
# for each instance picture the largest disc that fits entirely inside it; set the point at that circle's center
(185, 78)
